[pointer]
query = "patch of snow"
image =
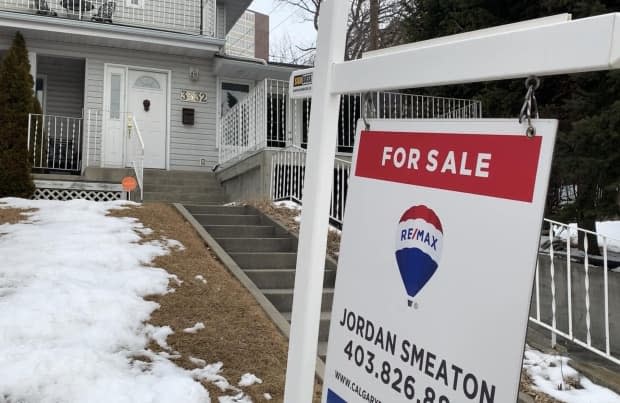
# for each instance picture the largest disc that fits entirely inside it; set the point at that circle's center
(73, 309)
(197, 361)
(173, 244)
(550, 373)
(232, 204)
(267, 396)
(159, 334)
(142, 229)
(194, 329)
(238, 398)
(288, 204)
(166, 354)
(176, 279)
(200, 278)
(249, 380)
(211, 373)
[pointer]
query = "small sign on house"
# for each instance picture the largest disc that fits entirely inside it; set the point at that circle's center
(194, 96)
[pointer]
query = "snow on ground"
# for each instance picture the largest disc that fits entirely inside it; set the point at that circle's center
(72, 283)
(288, 204)
(194, 329)
(249, 380)
(610, 229)
(201, 278)
(291, 205)
(552, 376)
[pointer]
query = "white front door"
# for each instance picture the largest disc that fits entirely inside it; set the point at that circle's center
(114, 118)
(147, 101)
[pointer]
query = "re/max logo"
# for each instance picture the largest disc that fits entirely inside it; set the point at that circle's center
(419, 235)
(304, 79)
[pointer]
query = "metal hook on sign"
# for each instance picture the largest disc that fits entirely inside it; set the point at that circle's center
(530, 105)
(367, 101)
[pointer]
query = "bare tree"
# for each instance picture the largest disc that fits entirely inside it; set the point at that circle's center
(285, 51)
(385, 15)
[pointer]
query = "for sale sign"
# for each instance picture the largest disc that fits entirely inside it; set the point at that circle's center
(437, 261)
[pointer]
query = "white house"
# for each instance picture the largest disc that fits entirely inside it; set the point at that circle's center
(101, 64)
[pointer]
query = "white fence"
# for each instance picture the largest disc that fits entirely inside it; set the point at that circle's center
(185, 16)
(55, 142)
(268, 118)
(576, 295)
(288, 168)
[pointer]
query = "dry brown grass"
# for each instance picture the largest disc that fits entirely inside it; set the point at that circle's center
(12, 215)
(238, 332)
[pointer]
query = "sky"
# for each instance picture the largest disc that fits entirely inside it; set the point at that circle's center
(285, 20)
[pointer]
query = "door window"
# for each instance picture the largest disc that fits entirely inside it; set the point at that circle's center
(115, 96)
(147, 82)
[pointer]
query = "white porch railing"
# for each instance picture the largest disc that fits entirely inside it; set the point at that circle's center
(243, 128)
(55, 142)
(268, 118)
(573, 290)
(288, 168)
(132, 145)
(185, 16)
(386, 105)
(136, 151)
(93, 147)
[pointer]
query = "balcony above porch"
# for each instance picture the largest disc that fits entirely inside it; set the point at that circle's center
(110, 35)
(191, 17)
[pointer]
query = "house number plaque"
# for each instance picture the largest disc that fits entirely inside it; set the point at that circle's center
(194, 96)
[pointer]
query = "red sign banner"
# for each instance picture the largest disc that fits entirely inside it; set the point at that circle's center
(502, 166)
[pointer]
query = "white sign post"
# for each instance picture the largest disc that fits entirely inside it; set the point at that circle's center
(437, 261)
(553, 46)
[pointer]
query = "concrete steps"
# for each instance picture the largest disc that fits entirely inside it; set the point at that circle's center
(183, 187)
(267, 254)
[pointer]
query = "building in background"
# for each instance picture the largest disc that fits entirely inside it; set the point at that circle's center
(249, 37)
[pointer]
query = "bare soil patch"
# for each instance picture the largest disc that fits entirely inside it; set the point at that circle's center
(13, 215)
(237, 331)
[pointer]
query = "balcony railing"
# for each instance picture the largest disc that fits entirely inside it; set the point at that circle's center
(185, 16)
(55, 143)
(268, 118)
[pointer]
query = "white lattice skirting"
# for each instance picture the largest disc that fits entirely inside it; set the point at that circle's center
(65, 190)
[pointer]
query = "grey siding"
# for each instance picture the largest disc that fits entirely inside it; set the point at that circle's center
(65, 85)
(187, 144)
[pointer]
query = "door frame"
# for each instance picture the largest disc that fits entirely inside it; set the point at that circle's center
(127, 67)
(218, 97)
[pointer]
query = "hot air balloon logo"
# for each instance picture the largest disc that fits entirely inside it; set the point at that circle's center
(419, 241)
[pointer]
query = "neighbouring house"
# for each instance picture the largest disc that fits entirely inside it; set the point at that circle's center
(249, 37)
